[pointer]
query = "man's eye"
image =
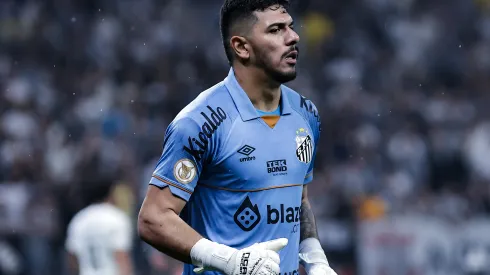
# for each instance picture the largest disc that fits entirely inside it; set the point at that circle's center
(274, 30)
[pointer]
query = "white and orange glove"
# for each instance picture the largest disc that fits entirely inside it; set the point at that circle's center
(313, 258)
(258, 259)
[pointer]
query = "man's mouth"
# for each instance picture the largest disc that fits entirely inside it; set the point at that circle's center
(291, 57)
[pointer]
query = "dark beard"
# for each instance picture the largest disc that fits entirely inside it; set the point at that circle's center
(280, 77)
(264, 62)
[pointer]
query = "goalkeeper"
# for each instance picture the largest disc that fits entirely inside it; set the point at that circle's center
(229, 194)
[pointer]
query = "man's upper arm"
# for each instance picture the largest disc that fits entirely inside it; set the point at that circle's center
(314, 121)
(157, 201)
(304, 196)
(182, 160)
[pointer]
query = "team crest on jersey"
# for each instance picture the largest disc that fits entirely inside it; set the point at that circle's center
(304, 146)
(184, 171)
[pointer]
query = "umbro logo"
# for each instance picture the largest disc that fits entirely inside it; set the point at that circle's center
(246, 150)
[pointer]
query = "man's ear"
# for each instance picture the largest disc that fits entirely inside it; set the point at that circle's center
(240, 46)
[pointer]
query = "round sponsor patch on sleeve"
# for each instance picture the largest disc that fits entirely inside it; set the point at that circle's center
(184, 171)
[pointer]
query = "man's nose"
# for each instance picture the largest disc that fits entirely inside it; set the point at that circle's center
(292, 38)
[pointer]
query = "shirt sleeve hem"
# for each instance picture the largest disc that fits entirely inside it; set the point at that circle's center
(308, 178)
(176, 189)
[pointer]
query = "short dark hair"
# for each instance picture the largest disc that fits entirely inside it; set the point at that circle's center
(96, 190)
(233, 11)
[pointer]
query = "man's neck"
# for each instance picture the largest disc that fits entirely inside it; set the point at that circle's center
(264, 93)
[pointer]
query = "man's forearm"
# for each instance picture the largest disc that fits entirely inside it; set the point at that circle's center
(169, 234)
(308, 227)
(311, 254)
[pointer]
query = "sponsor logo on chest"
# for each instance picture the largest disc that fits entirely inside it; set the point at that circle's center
(246, 150)
(248, 215)
(277, 167)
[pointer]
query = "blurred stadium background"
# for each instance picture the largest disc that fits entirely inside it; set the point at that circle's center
(402, 181)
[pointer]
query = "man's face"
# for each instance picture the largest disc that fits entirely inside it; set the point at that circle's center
(274, 44)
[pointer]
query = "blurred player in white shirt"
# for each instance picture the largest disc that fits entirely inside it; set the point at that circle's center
(99, 237)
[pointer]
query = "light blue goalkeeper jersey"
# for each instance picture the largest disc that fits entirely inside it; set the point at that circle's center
(241, 174)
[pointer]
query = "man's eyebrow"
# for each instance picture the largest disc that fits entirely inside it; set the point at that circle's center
(281, 24)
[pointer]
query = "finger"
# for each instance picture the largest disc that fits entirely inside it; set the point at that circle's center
(274, 245)
(273, 256)
(273, 267)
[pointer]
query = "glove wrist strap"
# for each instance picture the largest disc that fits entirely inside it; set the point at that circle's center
(311, 253)
(206, 253)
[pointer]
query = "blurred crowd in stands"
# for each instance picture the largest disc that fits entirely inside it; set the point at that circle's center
(90, 86)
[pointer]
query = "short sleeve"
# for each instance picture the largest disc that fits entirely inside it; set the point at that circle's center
(315, 124)
(309, 174)
(122, 236)
(181, 162)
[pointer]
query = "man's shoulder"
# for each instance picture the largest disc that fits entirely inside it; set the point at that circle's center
(302, 105)
(211, 107)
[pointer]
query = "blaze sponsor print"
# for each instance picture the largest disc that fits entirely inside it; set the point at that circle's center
(248, 215)
(282, 214)
(197, 145)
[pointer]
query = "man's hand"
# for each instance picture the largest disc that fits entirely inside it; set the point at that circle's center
(312, 257)
(258, 259)
(320, 269)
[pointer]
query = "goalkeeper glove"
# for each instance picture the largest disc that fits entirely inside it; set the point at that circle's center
(258, 259)
(313, 258)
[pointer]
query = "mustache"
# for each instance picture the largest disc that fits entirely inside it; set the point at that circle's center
(292, 49)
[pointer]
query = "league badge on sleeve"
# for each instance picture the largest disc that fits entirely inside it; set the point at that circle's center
(304, 146)
(184, 171)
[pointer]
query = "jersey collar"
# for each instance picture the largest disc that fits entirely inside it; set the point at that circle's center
(242, 102)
